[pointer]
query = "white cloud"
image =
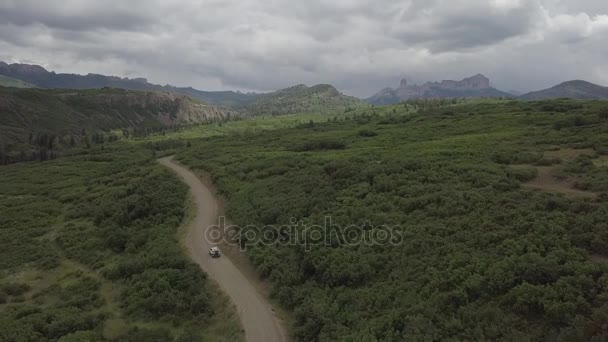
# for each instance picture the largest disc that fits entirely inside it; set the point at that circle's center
(358, 45)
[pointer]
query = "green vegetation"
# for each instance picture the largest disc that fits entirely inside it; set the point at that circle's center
(12, 82)
(90, 252)
(40, 124)
(482, 257)
(298, 99)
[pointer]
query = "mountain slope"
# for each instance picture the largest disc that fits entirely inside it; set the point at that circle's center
(300, 98)
(40, 77)
(471, 87)
(62, 112)
(291, 100)
(12, 82)
(572, 89)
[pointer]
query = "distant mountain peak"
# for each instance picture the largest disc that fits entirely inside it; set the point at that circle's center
(474, 86)
(575, 89)
(22, 68)
(302, 99)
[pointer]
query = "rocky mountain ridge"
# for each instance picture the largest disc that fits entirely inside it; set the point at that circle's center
(40, 77)
(471, 87)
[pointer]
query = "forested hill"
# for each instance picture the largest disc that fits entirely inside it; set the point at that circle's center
(12, 82)
(28, 114)
(301, 98)
(39, 76)
(571, 89)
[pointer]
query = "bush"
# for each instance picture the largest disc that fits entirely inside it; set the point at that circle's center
(15, 289)
(547, 161)
(513, 157)
(576, 121)
(367, 133)
(579, 165)
(523, 174)
(319, 145)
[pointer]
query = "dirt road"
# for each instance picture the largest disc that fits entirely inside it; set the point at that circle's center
(257, 317)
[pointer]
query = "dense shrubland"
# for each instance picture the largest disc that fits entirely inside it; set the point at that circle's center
(481, 259)
(90, 251)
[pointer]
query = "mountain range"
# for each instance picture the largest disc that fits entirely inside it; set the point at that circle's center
(295, 99)
(40, 77)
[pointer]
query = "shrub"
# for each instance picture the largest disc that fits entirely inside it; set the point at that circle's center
(523, 174)
(15, 289)
(579, 165)
(367, 133)
(319, 145)
(547, 161)
(576, 121)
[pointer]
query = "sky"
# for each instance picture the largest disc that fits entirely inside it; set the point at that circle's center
(359, 46)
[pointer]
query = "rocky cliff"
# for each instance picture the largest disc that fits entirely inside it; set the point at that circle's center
(475, 86)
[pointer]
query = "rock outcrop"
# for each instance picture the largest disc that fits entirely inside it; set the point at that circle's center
(475, 86)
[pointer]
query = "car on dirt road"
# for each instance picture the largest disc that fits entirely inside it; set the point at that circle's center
(214, 252)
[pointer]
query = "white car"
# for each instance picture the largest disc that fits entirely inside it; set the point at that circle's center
(214, 252)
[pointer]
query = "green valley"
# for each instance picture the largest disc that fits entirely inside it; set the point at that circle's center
(500, 206)
(319, 171)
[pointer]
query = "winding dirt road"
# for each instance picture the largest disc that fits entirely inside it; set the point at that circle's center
(257, 317)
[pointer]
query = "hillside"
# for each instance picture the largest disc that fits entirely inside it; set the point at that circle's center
(65, 112)
(41, 77)
(473, 87)
(12, 82)
(582, 90)
(301, 98)
(286, 101)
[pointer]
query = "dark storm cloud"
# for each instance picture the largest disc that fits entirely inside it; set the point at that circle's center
(452, 25)
(358, 45)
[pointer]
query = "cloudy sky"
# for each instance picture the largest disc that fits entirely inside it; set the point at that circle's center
(359, 46)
